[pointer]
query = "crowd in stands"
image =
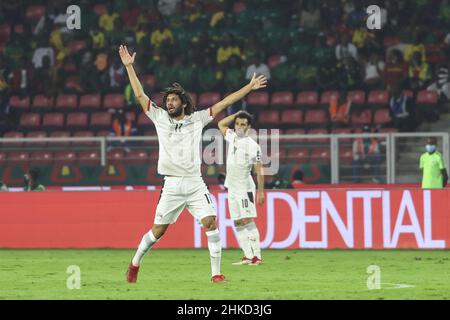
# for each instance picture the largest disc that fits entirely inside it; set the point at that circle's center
(216, 45)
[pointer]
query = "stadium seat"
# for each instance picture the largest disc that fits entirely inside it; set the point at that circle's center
(357, 97)
(66, 101)
(269, 117)
(345, 155)
(327, 96)
(193, 98)
(292, 117)
(282, 98)
(143, 120)
(338, 131)
(41, 157)
(115, 155)
(5, 32)
(320, 155)
(19, 28)
(217, 118)
(157, 98)
(101, 119)
(85, 134)
(2, 158)
(53, 120)
(378, 99)
(361, 118)
(103, 133)
(274, 61)
(239, 7)
(13, 135)
(154, 155)
(113, 101)
(41, 102)
(19, 103)
(76, 45)
(390, 41)
(316, 117)
(90, 101)
(137, 157)
(131, 115)
(388, 130)
(299, 155)
(148, 80)
(208, 99)
(34, 12)
(77, 120)
(382, 117)
(307, 99)
(313, 132)
(65, 157)
(409, 93)
(100, 9)
(89, 158)
(59, 134)
(427, 98)
(258, 98)
(18, 157)
(30, 120)
(36, 134)
(72, 83)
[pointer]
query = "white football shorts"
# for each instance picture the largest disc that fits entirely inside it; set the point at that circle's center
(241, 204)
(183, 192)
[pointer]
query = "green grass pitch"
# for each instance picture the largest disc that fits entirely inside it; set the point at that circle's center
(184, 274)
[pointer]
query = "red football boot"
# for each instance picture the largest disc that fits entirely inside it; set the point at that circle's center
(132, 273)
(218, 278)
(255, 261)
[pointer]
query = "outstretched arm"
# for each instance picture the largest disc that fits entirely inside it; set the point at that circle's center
(254, 84)
(128, 61)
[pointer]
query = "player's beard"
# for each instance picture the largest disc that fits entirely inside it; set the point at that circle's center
(178, 111)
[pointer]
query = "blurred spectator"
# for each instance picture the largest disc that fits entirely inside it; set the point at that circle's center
(416, 46)
(373, 71)
(168, 7)
(130, 15)
(122, 127)
(257, 67)
(322, 53)
(97, 38)
(227, 49)
(59, 43)
(3, 186)
(366, 154)
(47, 78)
(441, 82)
(402, 109)
(419, 72)
(209, 76)
(130, 98)
(396, 70)
(161, 36)
(116, 75)
(31, 181)
(349, 74)
(221, 181)
(433, 166)
(297, 181)
(15, 50)
(309, 15)
(106, 20)
(233, 74)
(20, 79)
(346, 49)
(40, 52)
(340, 109)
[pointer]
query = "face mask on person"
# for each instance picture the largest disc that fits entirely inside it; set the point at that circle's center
(430, 148)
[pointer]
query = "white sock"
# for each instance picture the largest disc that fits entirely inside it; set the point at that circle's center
(253, 236)
(148, 240)
(244, 242)
(215, 251)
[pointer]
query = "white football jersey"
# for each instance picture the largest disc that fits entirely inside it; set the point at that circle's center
(243, 153)
(179, 141)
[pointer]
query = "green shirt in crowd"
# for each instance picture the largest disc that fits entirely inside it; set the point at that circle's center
(432, 164)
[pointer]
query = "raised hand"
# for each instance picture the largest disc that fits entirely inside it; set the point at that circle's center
(258, 82)
(125, 56)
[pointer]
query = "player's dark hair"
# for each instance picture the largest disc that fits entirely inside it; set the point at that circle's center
(244, 115)
(177, 89)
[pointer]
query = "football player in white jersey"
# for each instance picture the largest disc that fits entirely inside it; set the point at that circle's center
(179, 129)
(244, 154)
